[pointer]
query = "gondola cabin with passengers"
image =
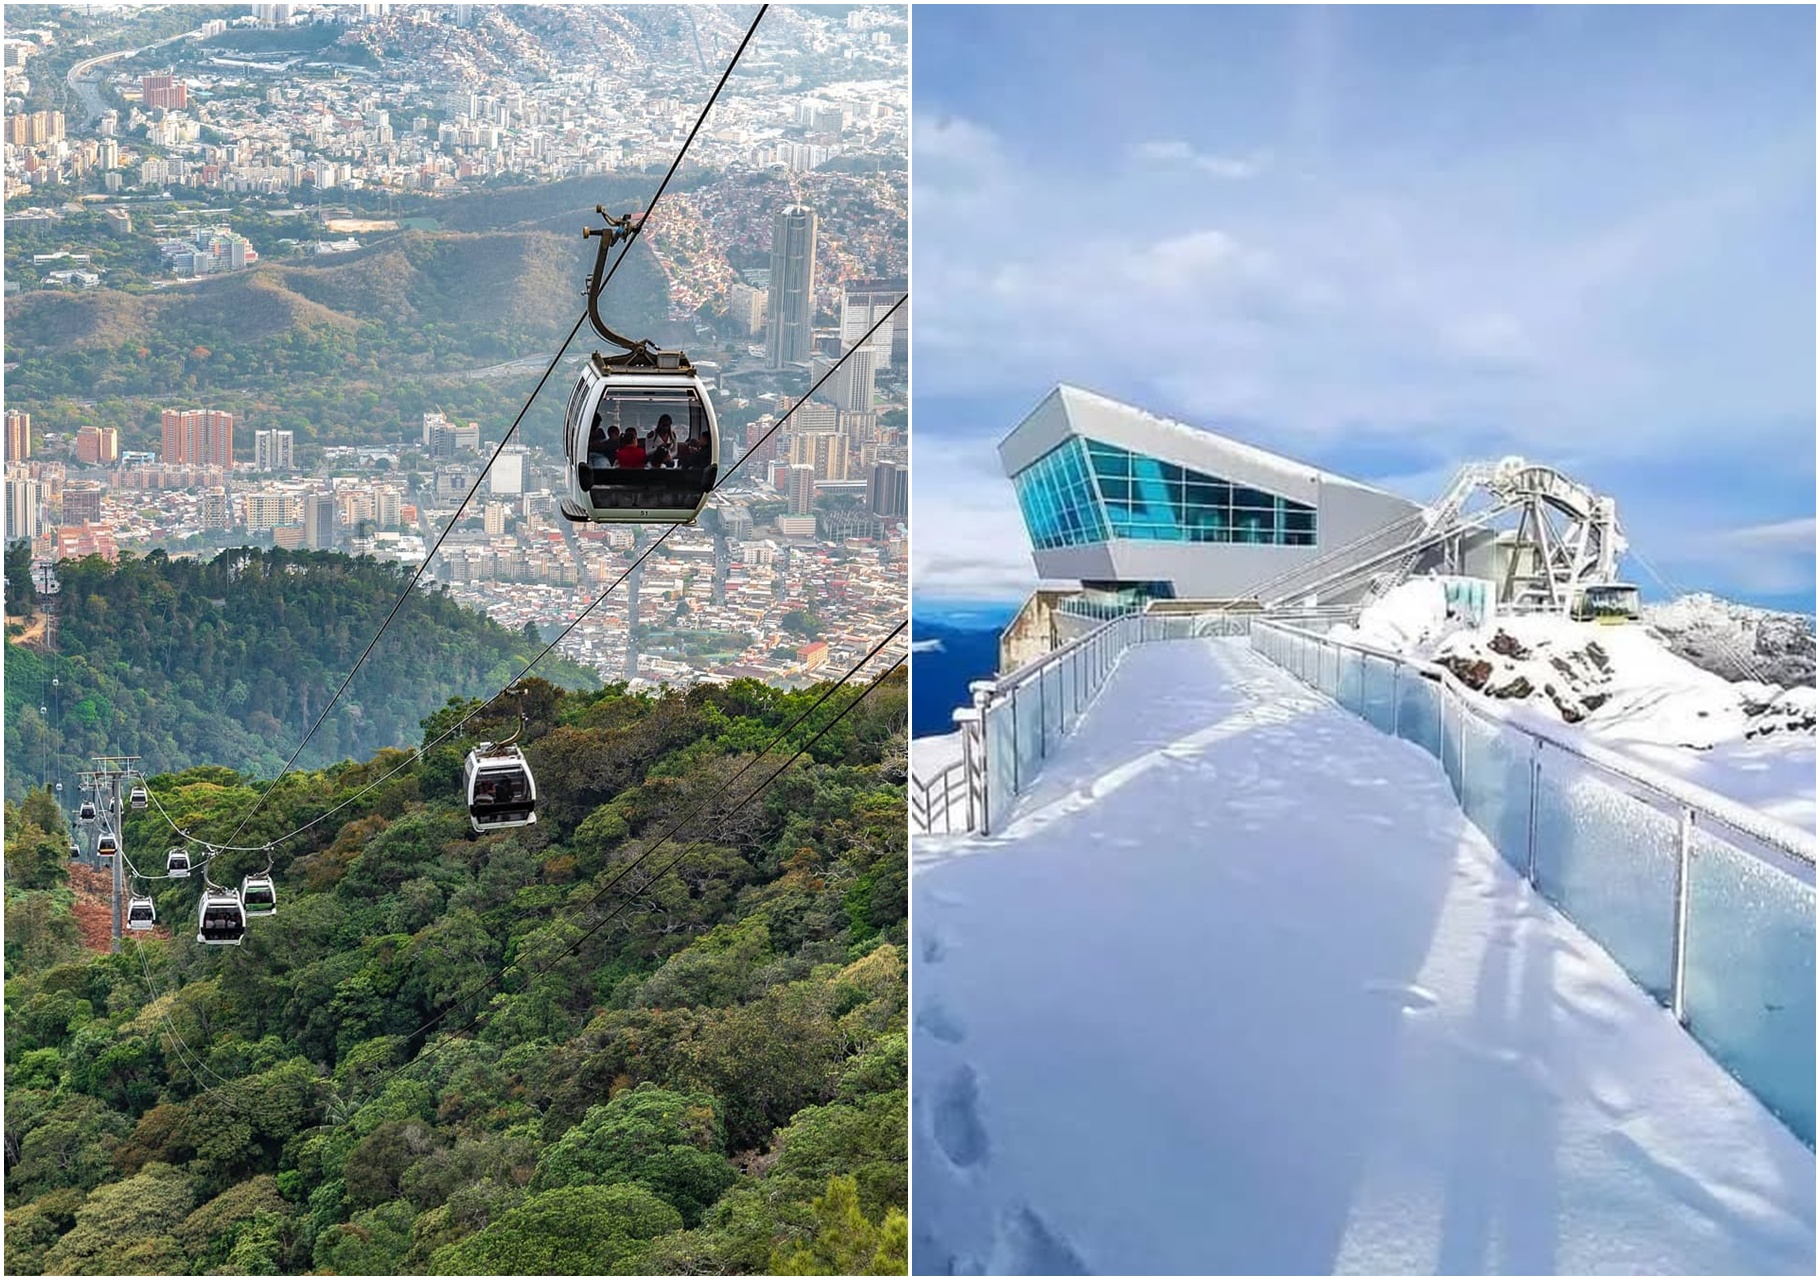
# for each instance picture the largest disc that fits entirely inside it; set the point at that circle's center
(220, 919)
(642, 443)
(501, 791)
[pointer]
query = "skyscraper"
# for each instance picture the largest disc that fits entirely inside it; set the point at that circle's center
(888, 491)
(199, 436)
(800, 489)
(791, 306)
(21, 505)
(864, 302)
(18, 435)
(97, 445)
(272, 450)
(319, 522)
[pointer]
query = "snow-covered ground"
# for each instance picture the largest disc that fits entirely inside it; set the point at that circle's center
(930, 755)
(1626, 688)
(1239, 990)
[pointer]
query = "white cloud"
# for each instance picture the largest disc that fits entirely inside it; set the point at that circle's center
(1772, 559)
(1177, 152)
(968, 540)
(1330, 306)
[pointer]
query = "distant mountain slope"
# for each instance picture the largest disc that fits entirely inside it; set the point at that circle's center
(1737, 641)
(230, 661)
(421, 302)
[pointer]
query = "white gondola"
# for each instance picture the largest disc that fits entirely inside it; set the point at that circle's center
(501, 791)
(639, 433)
(107, 846)
(259, 896)
(663, 478)
(220, 920)
(75, 852)
(177, 864)
(140, 914)
(137, 798)
(87, 812)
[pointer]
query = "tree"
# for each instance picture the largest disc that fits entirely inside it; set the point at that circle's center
(568, 1231)
(21, 594)
(843, 1243)
(670, 1143)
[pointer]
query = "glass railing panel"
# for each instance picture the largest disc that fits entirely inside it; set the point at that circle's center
(1749, 996)
(1608, 860)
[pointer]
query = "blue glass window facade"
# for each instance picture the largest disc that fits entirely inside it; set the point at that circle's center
(1056, 494)
(1085, 491)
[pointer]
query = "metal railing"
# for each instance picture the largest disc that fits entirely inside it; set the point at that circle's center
(1707, 904)
(939, 804)
(1017, 720)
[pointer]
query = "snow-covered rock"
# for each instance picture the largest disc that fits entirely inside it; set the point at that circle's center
(1737, 641)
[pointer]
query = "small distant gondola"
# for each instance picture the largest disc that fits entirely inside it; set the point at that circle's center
(140, 914)
(258, 896)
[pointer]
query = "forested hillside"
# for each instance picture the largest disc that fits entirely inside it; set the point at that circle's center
(231, 660)
(693, 1069)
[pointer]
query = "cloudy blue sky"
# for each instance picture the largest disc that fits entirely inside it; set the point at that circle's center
(1387, 241)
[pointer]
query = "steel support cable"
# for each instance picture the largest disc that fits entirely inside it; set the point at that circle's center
(549, 369)
(216, 847)
(387, 1076)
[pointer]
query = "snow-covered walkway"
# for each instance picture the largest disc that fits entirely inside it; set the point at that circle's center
(1239, 990)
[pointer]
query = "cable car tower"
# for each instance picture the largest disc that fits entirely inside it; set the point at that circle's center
(106, 779)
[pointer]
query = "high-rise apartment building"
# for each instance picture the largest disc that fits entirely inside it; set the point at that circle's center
(270, 510)
(746, 309)
(21, 505)
(864, 302)
(319, 523)
(825, 451)
(217, 509)
(791, 305)
(199, 436)
(272, 450)
(888, 491)
(81, 502)
(163, 92)
(97, 446)
(18, 435)
(800, 489)
(506, 477)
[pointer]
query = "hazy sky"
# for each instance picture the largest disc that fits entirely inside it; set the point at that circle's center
(1384, 240)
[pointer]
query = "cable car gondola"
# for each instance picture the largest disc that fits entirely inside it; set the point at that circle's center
(642, 443)
(87, 812)
(75, 852)
(107, 846)
(220, 920)
(137, 797)
(177, 864)
(501, 790)
(140, 914)
(258, 896)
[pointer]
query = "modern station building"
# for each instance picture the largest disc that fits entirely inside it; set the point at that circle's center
(1134, 506)
(1125, 508)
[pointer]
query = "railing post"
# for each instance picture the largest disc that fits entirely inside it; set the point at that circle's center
(1535, 795)
(1042, 715)
(1396, 699)
(1017, 751)
(1677, 1001)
